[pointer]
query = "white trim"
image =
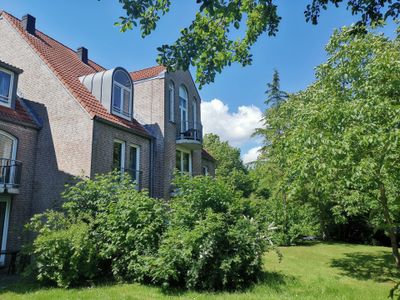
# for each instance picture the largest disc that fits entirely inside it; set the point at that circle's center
(181, 157)
(137, 171)
(5, 228)
(171, 101)
(194, 113)
(184, 110)
(205, 170)
(10, 91)
(123, 88)
(123, 144)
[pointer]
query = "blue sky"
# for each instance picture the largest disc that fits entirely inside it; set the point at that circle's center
(295, 51)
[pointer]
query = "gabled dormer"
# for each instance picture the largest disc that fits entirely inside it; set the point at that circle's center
(8, 84)
(114, 90)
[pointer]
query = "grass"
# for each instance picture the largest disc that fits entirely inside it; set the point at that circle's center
(318, 271)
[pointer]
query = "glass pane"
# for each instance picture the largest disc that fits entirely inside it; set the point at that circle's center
(133, 163)
(117, 156)
(127, 100)
(5, 80)
(6, 145)
(178, 160)
(186, 159)
(3, 206)
(122, 78)
(117, 97)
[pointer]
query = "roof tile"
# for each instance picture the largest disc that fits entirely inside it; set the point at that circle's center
(67, 66)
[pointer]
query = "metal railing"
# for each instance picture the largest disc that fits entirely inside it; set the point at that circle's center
(189, 131)
(10, 173)
(136, 176)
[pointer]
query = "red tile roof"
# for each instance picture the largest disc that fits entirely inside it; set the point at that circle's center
(19, 114)
(207, 155)
(147, 73)
(67, 66)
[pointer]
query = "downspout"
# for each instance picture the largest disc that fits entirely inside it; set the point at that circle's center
(151, 171)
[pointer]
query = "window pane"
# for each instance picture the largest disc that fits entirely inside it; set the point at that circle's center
(127, 100)
(5, 80)
(122, 78)
(6, 145)
(171, 102)
(178, 160)
(3, 206)
(117, 156)
(117, 97)
(186, 159)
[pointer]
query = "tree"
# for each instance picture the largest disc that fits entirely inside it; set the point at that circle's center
(340, 144)
(209, 43)
(230, 166)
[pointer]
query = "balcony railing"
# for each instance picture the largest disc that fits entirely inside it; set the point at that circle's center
(191, 131)
(10, 174)
(136, 176)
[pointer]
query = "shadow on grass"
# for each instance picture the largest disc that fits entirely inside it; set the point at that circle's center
(21, 285)
(379, 266)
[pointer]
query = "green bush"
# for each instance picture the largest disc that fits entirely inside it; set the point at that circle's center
(108, 227)
(63, 252)
(213, 241)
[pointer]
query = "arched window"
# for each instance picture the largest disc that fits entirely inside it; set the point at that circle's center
(183, 107)
(171, 101)
(122, 94)
(8, 146)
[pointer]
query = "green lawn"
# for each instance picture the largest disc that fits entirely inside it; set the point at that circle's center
(320, 271)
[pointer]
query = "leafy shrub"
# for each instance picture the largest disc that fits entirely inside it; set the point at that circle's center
(107, 224)
(64, 253)
(212, 242)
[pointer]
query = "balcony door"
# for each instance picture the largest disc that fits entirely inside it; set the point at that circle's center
(8, 152)
(183, 108)
(5, 203)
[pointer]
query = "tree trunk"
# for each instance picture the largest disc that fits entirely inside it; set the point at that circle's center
(389, 223)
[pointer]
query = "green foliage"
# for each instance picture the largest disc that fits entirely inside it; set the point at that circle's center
(230, 166)
(215, 39)
(213, 241)
(64, 253)
(338, 147)
(107, 224)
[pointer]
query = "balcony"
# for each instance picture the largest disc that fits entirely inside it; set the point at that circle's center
(10, 175)
(189, 135)
(136, 176)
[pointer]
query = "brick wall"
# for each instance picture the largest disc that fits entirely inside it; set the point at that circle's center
(64, 142)
(102, 155)
(21, 204)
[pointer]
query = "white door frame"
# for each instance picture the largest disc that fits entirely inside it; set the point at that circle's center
(5, 228)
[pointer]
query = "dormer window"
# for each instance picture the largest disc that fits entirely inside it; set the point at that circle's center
(6, 86)
(122, 94)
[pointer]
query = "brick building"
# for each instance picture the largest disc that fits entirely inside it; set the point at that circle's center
(63, 115)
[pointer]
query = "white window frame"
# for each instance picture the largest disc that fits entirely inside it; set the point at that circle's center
(171, 101)
(5, 228)
(137, 147)
(13, 156)
(123, 88)
(184, 110)
(205, 171)
(10, 92)
(181, 157)
(123, 145)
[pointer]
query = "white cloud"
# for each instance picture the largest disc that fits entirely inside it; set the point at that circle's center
(251, 155)
(234, 127)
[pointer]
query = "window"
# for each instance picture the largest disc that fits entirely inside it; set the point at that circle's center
(194, 111)
(6, 86)
(122, 94)
(183, 107)
(119, 155)
(134, 162)
(4, 218)
(205, 170)
(8, 165)
(184, 161)
(171, 102)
